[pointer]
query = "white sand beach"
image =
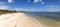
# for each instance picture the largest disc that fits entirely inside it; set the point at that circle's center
(21, 20)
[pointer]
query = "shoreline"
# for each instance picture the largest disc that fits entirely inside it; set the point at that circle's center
(23, 20)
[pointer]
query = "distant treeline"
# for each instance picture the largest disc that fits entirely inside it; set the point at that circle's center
(7, 11)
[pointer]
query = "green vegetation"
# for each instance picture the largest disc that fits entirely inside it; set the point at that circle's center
(7, 11)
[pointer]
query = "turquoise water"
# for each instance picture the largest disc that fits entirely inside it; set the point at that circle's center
(50, 15)
(47, 18)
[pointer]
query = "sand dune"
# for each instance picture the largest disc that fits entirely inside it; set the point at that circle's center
(20, 20)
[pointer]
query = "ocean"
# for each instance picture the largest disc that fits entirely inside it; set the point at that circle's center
(49, 15)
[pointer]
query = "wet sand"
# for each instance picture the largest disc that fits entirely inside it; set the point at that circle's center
(22, 20)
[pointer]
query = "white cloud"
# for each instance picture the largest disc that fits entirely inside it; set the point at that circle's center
(28, 1)
(2, 3)
(22, 9)
(40, 0)
(42, 3)
(19, 9)
(28, 10)
(35, 1)
(4, 7)
(53, 6)
(10, 1)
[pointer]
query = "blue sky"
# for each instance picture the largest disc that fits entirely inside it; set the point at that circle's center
(30, 5)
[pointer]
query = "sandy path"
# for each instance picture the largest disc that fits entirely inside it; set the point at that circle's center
(19, 20)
